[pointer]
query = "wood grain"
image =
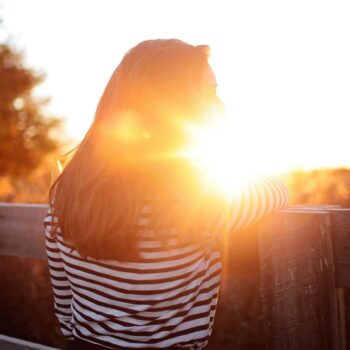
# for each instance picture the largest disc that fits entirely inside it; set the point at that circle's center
(299, 298)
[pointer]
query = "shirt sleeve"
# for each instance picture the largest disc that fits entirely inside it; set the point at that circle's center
(61, 287)
(253, 202)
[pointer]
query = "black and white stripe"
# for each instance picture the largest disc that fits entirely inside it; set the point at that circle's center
(168, 298)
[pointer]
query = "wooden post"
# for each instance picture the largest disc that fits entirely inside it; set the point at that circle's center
(300, 301)
(341, 242)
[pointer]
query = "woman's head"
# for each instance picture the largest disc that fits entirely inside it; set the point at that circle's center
(127, 156)
(159, 86)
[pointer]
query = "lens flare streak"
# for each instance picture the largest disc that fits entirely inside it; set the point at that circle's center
(219, 150)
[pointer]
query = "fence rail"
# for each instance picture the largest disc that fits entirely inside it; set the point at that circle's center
(304, 257)
(10, 343)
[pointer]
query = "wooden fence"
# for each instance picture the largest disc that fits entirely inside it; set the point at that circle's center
(304, 255)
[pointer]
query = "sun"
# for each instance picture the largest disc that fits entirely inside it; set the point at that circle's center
(220, 150)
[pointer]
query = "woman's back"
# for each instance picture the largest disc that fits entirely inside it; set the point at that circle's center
(165, 298)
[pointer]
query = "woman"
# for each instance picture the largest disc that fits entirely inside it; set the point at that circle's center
(133, 233)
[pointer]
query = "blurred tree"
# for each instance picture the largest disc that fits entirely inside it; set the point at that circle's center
(320, 186)
(26, 131)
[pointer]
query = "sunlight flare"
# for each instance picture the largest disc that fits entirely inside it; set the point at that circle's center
(220, 153)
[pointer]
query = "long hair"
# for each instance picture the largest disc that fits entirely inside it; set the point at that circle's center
(129, 156)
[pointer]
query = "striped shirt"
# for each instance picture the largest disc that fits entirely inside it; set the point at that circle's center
(167, 299)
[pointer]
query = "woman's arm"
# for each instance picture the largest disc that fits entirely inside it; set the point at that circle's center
(254, 201)
(61, 287)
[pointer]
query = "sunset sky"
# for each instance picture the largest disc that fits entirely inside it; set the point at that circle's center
(283, 68)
